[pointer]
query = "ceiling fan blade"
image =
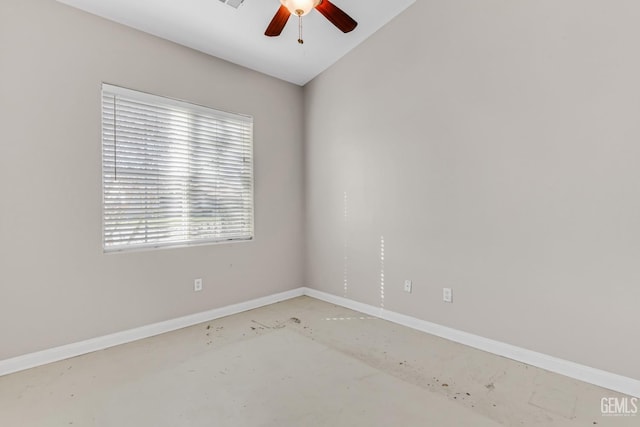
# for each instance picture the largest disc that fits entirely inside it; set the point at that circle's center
(337, 16)
(278, 22)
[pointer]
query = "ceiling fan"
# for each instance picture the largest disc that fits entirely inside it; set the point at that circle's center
(300, 8)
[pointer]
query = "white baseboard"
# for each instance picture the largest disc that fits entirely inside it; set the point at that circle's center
(44, 357)
(583, 373)
(587, 374)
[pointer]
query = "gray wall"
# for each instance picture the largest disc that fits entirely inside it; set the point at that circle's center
(56, 285)
(495, 145)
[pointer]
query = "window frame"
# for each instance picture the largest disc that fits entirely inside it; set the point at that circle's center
(153, 99)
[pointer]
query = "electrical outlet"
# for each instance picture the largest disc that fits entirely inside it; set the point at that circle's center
(197, 285)
(407, 286)
(447, 295)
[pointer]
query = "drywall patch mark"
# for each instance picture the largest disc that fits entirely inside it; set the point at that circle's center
(346, 245)
(381, 271)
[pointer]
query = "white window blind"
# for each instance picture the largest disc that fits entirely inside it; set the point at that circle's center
(173, 173)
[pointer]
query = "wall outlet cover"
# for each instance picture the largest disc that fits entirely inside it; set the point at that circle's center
(407, 286)
(447, 295)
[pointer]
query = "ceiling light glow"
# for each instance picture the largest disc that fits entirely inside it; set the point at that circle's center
(300, 7)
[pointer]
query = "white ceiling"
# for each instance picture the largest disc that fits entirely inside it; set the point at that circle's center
(237, 35)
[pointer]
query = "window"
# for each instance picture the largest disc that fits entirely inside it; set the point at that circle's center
(173, 173)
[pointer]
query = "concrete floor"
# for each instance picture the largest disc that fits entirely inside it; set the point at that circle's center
(302, 362)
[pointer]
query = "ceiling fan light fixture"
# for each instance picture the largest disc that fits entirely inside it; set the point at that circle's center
(300, 7)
